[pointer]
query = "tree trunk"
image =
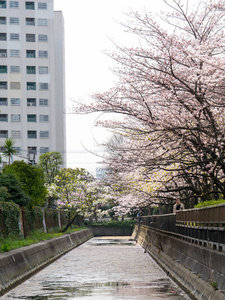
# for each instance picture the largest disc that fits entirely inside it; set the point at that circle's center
(69, 224)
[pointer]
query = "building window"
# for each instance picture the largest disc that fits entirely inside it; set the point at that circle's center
(43, 22)
(3, 85)
(14, 4)
(32, 150)
(44, 134)
(3, 52)
(43, 54)
(31, 86)
(15, 134)
(14, 36)
(43, 70)
(3, 36)
(14, 69)
(2, 4)
(29, 5)
(15, 118)
(42, 5)
(30, 37)
(42, 38)
(44, 150)
(14, 21)
(43, 86)
(31, 134)
(43, 102)
(3, 118)
(15, 85)
(30, 21)
(3, 20)
(43, 118)
(3, 134)
(3, 69)
(31, 102)
(14, 52)
(15, 101)
(31, 118)
(31, 54)
(31, 70)
(3, 101)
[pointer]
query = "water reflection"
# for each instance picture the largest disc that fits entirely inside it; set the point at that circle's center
(160, 289)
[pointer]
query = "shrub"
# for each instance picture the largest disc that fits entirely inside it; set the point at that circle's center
(9, 219)
(209, 203)
(122, 224)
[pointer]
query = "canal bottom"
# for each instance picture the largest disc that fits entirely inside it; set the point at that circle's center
(110, 268)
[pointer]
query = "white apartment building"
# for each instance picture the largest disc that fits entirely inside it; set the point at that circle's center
(32, 80)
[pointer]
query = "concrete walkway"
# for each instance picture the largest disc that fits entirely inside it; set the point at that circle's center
(102, 269)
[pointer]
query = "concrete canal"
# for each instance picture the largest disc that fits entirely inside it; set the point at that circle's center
(104, 268)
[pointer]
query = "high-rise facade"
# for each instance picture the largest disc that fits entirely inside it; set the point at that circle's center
(32, 81)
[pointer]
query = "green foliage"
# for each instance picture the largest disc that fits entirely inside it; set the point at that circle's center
(33, 218)
(9, 219)
(121, 224)
(14, 242)
(4, 195)
(9, 148)
(50, 163)
(214, 284)
(14, 189)
(209, 203)
(32, 179)
(70, 187)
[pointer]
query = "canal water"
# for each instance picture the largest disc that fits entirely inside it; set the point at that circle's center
(104, 268)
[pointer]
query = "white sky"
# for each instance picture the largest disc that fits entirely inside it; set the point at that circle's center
(89, 26)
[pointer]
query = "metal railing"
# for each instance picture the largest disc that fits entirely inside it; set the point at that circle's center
(203, 226)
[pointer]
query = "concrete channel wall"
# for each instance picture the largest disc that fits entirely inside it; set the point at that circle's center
(20, 264)
(198, 270)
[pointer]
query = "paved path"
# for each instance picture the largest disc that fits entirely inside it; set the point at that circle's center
(106, 268)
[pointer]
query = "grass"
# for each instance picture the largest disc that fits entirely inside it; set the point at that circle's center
(15, 242)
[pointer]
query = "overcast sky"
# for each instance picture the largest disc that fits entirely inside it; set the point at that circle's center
(90, 27)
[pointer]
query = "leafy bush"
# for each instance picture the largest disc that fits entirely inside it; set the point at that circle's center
(9, 219)
(209, 203)
(122, 224)
(14, 189)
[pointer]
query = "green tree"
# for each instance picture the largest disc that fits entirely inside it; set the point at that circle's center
(69, 186)
(4, 195)
(9, 149)
(32, 179)
(50, 162)
(14, 189)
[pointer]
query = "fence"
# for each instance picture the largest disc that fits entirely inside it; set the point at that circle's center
(203, 226)
(42, 218)
(16, 221)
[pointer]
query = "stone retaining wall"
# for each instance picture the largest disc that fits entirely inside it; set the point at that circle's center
(20, 264)
(197, 269)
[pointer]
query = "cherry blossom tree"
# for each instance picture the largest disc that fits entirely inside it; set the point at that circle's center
(79, 193)
(171, 94)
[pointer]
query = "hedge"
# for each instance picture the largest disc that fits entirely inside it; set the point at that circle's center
(9, 219)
